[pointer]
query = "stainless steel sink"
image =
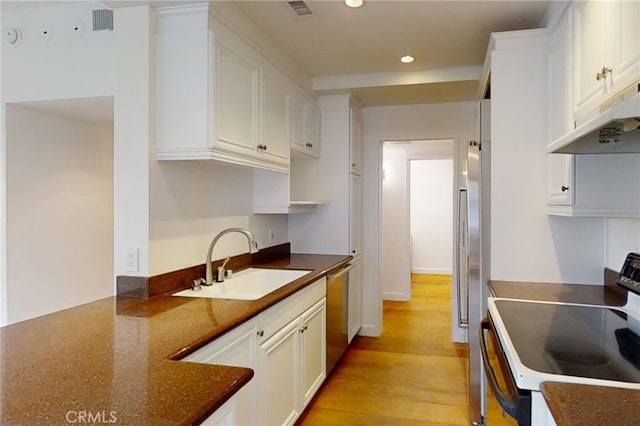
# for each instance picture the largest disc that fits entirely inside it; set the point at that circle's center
(248, 284)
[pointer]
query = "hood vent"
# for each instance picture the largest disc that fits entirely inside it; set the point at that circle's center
(615, 130)
(300, 8)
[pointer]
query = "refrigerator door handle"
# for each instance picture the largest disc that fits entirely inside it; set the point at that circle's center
(461, 238)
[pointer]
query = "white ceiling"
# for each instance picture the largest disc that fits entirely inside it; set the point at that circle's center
(358, 50)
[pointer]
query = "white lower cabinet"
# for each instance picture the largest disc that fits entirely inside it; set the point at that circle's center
(293, 362)
(313, 350)
(286, 347)
(236, 348)
(279, 360)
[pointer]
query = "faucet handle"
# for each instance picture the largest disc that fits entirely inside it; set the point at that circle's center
(220, 274)
(196, 285)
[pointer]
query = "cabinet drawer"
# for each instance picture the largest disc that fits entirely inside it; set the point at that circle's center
(276, 317)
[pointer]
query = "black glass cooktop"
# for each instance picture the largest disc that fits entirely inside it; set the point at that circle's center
(583, 341)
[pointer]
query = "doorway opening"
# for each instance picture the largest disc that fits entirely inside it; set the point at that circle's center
(416, 217)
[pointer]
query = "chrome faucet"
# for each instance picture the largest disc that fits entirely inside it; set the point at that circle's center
(253, 248)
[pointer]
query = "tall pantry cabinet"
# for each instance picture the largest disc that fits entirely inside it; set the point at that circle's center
(335, 227)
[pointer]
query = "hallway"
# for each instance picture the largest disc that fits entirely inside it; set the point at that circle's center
(412, 375)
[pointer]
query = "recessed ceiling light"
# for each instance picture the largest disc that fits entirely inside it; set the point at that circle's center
(407, 59)
(354, 3)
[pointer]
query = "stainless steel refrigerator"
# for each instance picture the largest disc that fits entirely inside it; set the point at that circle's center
(473, 255)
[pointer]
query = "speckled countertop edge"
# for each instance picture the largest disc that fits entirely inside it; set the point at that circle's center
(586, 405)
(114, 358)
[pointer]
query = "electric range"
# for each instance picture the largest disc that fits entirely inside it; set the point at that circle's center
(562, 342)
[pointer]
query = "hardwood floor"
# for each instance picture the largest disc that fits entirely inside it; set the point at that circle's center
(411, 375)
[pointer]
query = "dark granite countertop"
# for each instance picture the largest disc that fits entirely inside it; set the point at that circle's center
(576, 404)
(585, 405)
(116, 359)
(609, 294)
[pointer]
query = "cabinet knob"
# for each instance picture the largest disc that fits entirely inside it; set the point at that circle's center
(262, 147)
(564, 188)
(309, 145)
(603, 73)
(353, 164)
(260, 333)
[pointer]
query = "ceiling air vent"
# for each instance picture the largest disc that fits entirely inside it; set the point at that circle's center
(102, 19)
(300, 8)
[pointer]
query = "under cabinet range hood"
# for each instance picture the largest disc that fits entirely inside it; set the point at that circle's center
(613, 131)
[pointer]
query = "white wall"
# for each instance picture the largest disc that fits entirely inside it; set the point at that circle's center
(395, 256)
(431, 216)
(59, 212)
(416, 228)
(169, 212)
(326, 230)
(191, 201)
(412, 122)
(63, 63)
(621, 237)
(526, 243)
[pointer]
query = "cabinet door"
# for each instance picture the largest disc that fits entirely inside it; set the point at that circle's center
(591, 42)
(279, 364)
(559, 109)
(355, 215)
(313, 349)
(355, 298)
(274, 139)
(355, 140)
(297, 112)
(236, 348)
(305, 124)
(236, 101)
(311, 127)
(560, 179)
(626, 44)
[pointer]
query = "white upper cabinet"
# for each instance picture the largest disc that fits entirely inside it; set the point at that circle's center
(305, 124)
(236, 72)
(606, 47)
(560, 185)
(218, 97)
(356, 140)
(275, 116)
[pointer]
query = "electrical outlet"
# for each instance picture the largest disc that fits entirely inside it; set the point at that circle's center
(131, 260)
(271, 236)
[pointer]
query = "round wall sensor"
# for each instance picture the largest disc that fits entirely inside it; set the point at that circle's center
(12, 36)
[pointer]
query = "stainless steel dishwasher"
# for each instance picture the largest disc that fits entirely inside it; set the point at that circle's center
(337, 314)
